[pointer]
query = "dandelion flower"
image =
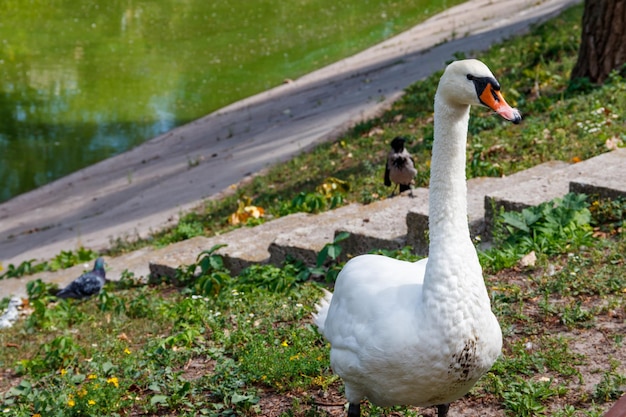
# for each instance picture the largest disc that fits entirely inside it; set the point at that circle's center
(71, 403)
(113, 380)
(284, 344)
(127, 351)
(91, 402)
(92, 376)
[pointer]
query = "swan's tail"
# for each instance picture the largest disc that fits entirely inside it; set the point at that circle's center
(319, 318)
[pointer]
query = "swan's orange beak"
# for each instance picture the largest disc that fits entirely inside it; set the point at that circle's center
(493, 99)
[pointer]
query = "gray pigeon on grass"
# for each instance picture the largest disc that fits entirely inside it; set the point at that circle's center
(86, 285)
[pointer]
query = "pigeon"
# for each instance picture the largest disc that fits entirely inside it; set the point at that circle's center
(11, 314)
(86, 285)
(400, 168)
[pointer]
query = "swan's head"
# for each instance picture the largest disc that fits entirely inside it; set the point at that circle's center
(470, 82)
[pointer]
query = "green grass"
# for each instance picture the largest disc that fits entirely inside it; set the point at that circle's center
(225, 345)
(200, 349)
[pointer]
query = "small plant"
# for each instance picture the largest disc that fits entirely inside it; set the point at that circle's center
(327, 196)
(270, 277)
(575, 314)
(67, 259)
(612, 385)
(185, 229)
(523, 398)
(327, 263)
(212, 276)
(608, 215)
(37, 289)
(550, 228)
(25, 268)
(63, 260)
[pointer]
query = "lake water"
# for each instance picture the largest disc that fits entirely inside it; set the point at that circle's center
(81, 81)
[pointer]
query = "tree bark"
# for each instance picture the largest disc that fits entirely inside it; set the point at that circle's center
(603, 40)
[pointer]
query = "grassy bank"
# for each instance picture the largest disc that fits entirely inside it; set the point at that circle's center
(561, 121)
(224, 345)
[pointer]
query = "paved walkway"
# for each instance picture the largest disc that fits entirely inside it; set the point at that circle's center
(148, 187)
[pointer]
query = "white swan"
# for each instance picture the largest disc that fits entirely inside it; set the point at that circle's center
(422, 333)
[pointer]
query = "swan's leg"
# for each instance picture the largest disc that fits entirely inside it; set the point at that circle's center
(442, 410)
(354, 410)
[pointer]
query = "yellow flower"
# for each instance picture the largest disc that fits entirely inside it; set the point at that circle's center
(127, 351)
(37, 415)
(92, 376)
(284, 344)
(82, 393)
(113, 380)
(91, 402)
(71, 402)
(63, 371)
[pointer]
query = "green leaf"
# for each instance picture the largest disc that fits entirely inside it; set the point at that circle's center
(158, 399)
(239, 398)
(334, 251)
(515, 220)
(341, 236)
(107, 366)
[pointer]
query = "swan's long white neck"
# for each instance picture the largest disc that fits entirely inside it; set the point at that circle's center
(453, 271)
(448, 189)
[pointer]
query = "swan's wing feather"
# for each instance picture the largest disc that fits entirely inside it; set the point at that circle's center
(370, 294)
(319, 318)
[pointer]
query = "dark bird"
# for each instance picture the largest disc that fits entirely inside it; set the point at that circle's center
(400, 168)
(86, 285)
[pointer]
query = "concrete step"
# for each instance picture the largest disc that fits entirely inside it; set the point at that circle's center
(387, 224)
(379, 225)
(245, 246)
(306, 241)
(605, 171)
(608, 179)
(477, 190)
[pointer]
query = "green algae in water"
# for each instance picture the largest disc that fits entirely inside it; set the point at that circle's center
(82, 81)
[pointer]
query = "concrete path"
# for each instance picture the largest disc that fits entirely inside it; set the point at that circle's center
(147, 188)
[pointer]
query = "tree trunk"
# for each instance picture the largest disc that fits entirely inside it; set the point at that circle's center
(603, 41)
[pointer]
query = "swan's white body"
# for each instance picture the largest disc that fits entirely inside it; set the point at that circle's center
(421, 333)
